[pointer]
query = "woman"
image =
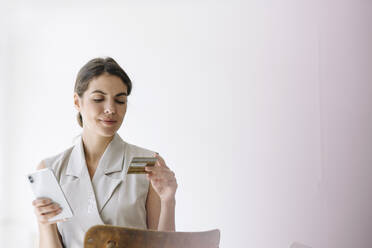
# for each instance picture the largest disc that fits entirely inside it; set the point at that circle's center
(92, 173)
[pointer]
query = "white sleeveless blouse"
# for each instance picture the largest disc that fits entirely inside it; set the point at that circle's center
(111, 197)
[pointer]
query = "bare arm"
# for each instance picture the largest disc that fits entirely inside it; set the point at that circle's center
(160, 214)
(161, 201)
(153, 209)
(49, 236)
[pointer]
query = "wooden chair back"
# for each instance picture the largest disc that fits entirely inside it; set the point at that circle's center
(106, 236)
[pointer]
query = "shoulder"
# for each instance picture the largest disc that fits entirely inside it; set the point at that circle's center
(41, 165)
(53, 160)
(138, 150)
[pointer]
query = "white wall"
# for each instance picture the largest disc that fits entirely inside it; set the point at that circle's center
(262, 109)
(346, 100)
(4, 67)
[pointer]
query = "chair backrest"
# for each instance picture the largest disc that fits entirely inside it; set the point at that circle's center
(106, 236)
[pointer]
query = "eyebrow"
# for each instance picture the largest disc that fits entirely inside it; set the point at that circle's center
(103, 93)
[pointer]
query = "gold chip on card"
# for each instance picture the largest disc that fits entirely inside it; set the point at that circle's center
(137, 166)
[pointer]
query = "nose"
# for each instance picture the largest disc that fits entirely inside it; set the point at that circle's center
(110, 108)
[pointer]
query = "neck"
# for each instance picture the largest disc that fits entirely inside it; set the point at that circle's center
(94, 146)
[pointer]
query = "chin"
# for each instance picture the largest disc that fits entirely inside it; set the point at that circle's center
(107, 133)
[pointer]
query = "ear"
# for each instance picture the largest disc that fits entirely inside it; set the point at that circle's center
(77, 101)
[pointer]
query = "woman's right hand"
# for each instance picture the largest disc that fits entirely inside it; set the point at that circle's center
(45, 209)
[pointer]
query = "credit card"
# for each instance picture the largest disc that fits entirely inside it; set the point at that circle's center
(137, 166)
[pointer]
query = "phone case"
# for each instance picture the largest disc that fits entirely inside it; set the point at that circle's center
(44, 184)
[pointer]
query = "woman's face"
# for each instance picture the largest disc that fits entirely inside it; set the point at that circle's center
(103, 105)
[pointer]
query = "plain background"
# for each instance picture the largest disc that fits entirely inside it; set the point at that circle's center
(261, 108)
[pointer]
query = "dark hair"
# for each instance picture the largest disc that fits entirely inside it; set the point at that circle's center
(95, 68)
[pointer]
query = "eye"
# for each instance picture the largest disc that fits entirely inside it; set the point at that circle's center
(120, 102)
(98, 100)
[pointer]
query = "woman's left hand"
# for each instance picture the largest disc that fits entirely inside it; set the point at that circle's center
(162, 179)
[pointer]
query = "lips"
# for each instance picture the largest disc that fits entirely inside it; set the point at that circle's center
(108, 121)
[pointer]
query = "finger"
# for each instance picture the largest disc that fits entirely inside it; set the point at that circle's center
(47, 209)
(150, 168)
(41, 216)
(152, 173)
(160, 161)
(156, 170)
(45, 217)
(41, 202)
(56, 221)
(172, 173)
(163, 172)
(164, 175)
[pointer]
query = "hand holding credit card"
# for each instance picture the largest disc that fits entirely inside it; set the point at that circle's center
(137, 166)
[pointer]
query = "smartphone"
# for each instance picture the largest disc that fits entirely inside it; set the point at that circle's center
(44, 184)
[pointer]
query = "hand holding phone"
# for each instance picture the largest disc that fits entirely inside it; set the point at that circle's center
(46, 209)
(51, 204)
